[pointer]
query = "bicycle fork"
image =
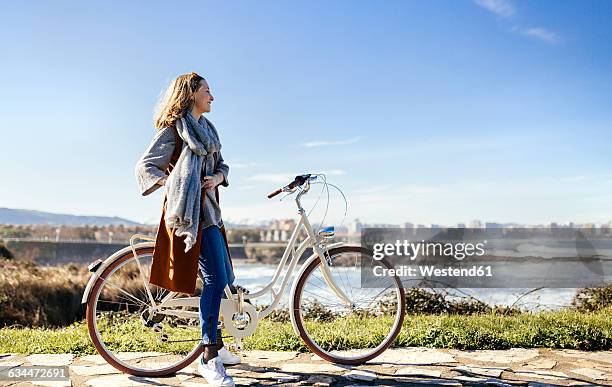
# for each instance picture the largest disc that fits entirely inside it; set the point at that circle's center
(327, 275)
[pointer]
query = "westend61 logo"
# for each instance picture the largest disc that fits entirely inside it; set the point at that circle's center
(412, 250)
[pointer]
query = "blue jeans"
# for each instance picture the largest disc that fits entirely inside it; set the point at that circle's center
(217, 272)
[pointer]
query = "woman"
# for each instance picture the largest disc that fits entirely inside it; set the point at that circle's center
(191, 234)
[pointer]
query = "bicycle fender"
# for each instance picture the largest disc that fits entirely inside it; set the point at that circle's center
(94, 277)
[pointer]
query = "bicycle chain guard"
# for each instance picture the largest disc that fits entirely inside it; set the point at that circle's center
(247, 320)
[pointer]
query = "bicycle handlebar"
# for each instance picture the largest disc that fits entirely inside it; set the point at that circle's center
(273, 194)
(298, 181)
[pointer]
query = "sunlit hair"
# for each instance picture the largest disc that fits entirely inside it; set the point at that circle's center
(177, 98)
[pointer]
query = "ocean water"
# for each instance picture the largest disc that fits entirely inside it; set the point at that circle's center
(255, 276)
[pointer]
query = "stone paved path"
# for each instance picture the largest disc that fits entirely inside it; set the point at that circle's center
(395, 367)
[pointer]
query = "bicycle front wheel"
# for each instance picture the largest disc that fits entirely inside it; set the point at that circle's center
(131, 330)
(347, 333)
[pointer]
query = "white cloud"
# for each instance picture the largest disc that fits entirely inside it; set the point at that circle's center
(313, 144)
(498, 7)
(540, 33)
(505, 9)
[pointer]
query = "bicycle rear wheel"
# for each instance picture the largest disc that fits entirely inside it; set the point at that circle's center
(341, 333)
(129, 332)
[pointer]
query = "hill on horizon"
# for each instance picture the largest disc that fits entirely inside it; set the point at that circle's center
(23, 217)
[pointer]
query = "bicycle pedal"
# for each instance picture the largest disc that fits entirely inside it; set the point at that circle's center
(234, 289)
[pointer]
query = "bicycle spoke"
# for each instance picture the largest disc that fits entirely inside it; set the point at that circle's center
(126, 293)
(125, 327)
(324, 316)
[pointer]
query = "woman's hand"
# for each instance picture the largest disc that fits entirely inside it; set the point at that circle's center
(162, 181)
(210, 182)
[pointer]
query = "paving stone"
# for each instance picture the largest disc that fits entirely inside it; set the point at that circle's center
(237, 381)
(361, 375)
(195, 384)
(584, 363)
(418, 371)
(235, 371)
(279, 377)
(340, 353)
(49, 359)
(475, 369)
(543, 364)
(93, 370)
(470, 379)
(313, 368)
(184, 375)
(271, 356)
(52, 383)
(601, 356)
(320, 380)
(499, 356)
(124, 380)
(96, 359)
(542, 374)
(431, 382)
(513, 382)
(252, 368)
(414, 356)
(5, 365)
(152, 364)
(590, 373)
(498, 382)
(187, 373)
(245, 381)
(122, 355)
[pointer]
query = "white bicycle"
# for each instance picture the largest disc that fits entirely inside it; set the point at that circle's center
(129, 319)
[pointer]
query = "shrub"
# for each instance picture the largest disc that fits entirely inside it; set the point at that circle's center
(5, 252)
(592, 299)
(31, 295)
(425, 301)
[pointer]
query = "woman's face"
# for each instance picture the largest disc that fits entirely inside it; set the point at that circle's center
(203, 98)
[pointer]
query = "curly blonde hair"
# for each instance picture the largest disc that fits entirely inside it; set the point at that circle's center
(177, 98)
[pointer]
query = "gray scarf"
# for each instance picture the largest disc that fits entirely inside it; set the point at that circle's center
(184, 187)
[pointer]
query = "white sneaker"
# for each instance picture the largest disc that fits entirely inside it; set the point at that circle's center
(227, 357)
(214, 373)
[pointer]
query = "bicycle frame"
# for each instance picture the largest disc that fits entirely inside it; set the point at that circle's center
(233, 305)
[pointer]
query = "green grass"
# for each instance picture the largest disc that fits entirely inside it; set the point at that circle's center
(561, 329)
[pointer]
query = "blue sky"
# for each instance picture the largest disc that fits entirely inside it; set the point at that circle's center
(428, 111)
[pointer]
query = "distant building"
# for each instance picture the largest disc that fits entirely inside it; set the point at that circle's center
(475, 224)
(277, 231)
(354, 227)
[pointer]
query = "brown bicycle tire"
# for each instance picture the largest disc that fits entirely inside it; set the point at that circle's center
(302, 331)
(90, 316)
